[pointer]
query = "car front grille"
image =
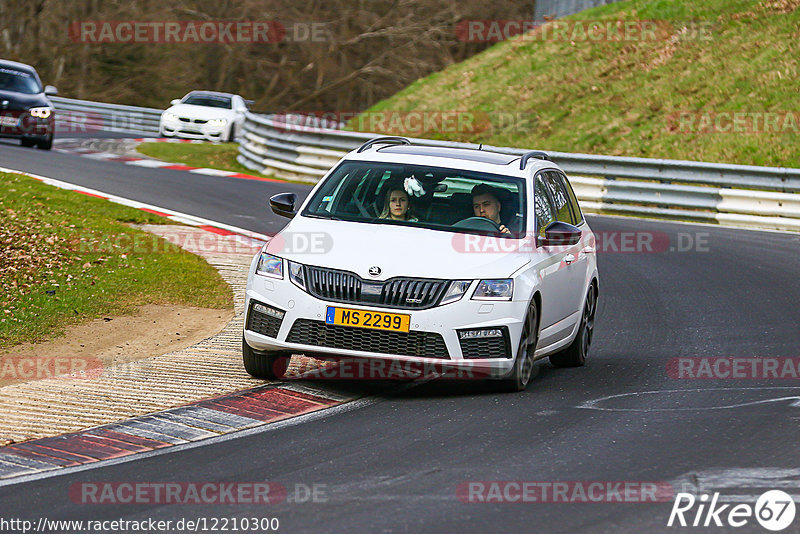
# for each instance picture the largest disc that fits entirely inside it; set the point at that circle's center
(487, 347)
(414, 343)
(344, 286)
(262, 323)
(193, 121)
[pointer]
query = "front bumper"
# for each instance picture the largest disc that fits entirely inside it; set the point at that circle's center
(23, 125)
(433, 337)
(192, 130)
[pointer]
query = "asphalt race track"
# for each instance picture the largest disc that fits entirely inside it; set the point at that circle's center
(396, 463)
(233, 201)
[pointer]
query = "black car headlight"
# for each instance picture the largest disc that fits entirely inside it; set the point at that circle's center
(40, 113)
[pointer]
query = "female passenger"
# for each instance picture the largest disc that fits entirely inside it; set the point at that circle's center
(397, 206)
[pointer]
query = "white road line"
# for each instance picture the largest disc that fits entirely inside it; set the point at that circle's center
(152, 163)
(213, 172)
(594, 404)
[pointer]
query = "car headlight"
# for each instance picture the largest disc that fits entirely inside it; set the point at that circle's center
(217, 123)
(455, 291)
(170, 116)
(269, 265)
(41, 113)
(296, 274)
(494, 290)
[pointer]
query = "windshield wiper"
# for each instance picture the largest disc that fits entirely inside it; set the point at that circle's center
(317, 216)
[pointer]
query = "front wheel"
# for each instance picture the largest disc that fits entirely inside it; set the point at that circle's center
(46, 143)
(575, 354)
(523, 364)
(266, 365)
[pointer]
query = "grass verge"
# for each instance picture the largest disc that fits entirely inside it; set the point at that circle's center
(671, 94)
(220, 156)
(66, 258)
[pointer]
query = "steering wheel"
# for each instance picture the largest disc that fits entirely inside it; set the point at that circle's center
(478, 223)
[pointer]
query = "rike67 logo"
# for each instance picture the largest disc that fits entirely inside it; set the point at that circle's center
(774, 510)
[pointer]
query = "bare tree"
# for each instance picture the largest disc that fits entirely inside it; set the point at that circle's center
(370, 50)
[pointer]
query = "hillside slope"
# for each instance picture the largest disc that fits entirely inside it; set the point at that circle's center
(710, 81)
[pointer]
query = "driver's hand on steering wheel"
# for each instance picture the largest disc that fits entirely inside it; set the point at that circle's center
(504, 230)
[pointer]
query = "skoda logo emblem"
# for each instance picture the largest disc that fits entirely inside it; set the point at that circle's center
(374, 271)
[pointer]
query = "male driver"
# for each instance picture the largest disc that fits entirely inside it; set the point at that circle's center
(486, 203)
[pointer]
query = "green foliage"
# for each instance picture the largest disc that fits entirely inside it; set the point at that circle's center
(66, 258)
(643, 97)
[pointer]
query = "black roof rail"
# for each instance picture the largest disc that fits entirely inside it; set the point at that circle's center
(538, 154)
(392, 140)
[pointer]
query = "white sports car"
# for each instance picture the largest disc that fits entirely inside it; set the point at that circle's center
(441, 257)
(205, 115)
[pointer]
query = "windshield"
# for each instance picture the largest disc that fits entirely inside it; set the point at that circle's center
(431, 197)
(19, 82)
(210, 101)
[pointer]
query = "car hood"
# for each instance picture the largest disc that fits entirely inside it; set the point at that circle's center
(396, 250)
(191, 111)
(20, 101)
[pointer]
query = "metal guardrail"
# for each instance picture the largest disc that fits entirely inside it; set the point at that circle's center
(80, 116)
(738, 195)
(562, 8)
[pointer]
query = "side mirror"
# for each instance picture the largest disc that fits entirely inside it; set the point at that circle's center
(174, 101)
(49, 90)
(559, 233)
(283, 204)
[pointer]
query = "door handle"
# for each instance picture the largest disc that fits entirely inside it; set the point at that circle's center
(569, 258)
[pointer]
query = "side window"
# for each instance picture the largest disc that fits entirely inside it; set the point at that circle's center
(573, 200)
(559, 196)
(543, 206)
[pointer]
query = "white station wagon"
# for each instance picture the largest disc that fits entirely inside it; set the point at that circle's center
(443, 257)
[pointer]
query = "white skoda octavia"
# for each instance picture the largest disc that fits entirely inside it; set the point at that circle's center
(442, 258)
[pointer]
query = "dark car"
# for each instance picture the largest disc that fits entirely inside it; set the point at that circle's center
(25, 112)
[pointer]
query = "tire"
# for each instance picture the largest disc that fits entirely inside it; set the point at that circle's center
(229, 137)
(521, 375)
(575, 355)
(266, 365)
(46, 143)
(27, 142)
